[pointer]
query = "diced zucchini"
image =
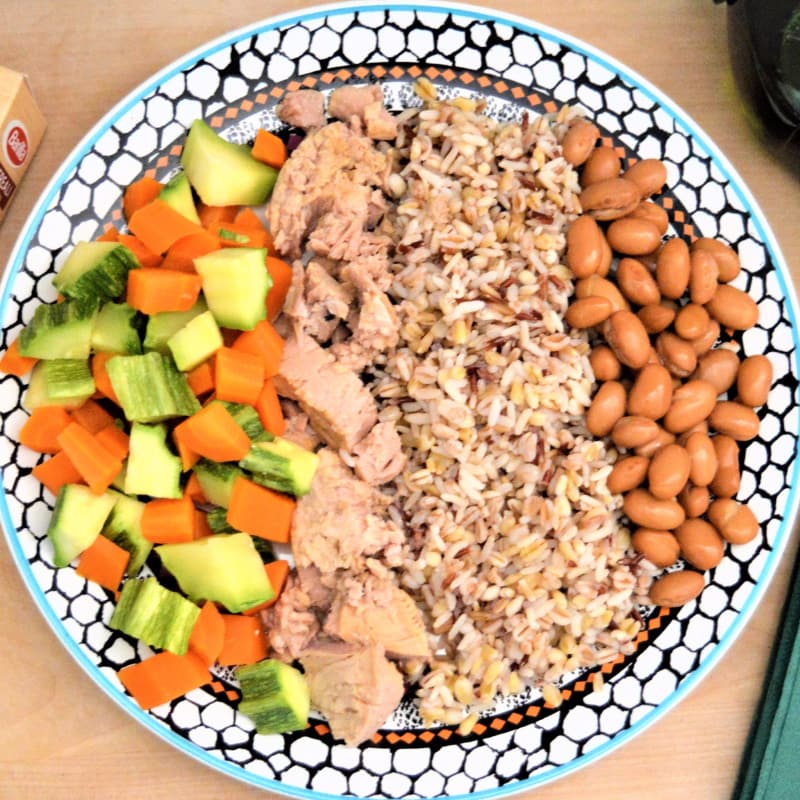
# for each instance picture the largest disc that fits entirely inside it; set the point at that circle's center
(150, 388)
(66, 382)
(247, 418)
(235, 285)
(78, 517)
(224, 173)
(178, 195)
(95, 271)
(281, 465)
(158, 616)
(217, 520)
(216, 480)
(59, 330)
(116, 330)
(165, 324)
(274, 695)
(152, 468)
(196, 341)
(124, 528)
(224, 568)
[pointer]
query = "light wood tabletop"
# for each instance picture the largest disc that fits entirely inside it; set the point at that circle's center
(60, 736)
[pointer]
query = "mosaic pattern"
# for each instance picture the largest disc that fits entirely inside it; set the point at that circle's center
(235, 85)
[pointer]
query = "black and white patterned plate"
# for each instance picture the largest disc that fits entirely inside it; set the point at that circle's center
(235, 84)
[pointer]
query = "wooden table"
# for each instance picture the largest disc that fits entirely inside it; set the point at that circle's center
(60, 736)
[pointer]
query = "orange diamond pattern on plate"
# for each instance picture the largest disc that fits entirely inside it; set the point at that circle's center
(116, 214)
(216, 122)
(378, 71)
(516, 92)
(362, 72)
(534, 99)
(550, 106)
(414, 72)
(679, 216)
(230, 113)
(515, 718)
(467, 78)
(327, 77)
(246, 105)
(261, 98)
(479, 728)
(483, 81)
(343, 74)
(501, 86)
(448, 75)
(497, 724)
(432, 72)
(445, 733)
(292, 86)
(308, 82)
(175, 150)
(276, 92)
(396, 72)
(532, 711)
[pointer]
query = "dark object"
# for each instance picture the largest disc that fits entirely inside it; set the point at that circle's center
(764, 46)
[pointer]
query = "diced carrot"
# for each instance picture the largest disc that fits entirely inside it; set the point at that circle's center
(115, 440)
(42, 428)
(259, 511)
(12, 363)
(201, 526)
(56, 472)
(269, 148)
(139, 194)
(269, 409)
(188, 456)
(194, 490)
(201, 379)
(110, 234)
(211, 215)
(244, 641)
(163, 677)
(92, 416)
(96, 465)
(168, 521)
(232, 234)
(153, 290)
(281, 274)
(182, 254)
(212, 432)
(277, 572)
(208, 634)
(248, 218)
(144, 255)
(238, 375)
(104, 562)
(266, 343)
(101, 380)
(159, 225)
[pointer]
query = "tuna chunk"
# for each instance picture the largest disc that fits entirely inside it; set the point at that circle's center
(324, 289)
(375, 330)
(304, 108)
(335, 525)
(340, 407)
(355, 686)
(291, 622)
(380, 124)
(298, 428)
(333, 169)
(379, 455)
(347, 102)
(378, 611)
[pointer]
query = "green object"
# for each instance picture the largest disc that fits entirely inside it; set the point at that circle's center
(178, 195)
(216, 480)
(163, 326)
(264, 547)
(224, 173)
(246, 417)
(95, 271)
(274, 695)
(217, 520)
(196, 341)
(150, 388)
(59, 330)
(224, 568)
(235, 285)
(66, 382)
(158, 616)
(152, 468)
(116, 330)
(281, 465)
(124, 528)
(770, 768)
(78, 517)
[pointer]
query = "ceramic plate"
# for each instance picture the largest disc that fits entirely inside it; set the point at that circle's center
(235, 83)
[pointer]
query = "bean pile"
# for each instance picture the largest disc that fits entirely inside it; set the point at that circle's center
(658, 309)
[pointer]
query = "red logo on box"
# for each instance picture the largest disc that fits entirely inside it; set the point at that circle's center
(16, 144)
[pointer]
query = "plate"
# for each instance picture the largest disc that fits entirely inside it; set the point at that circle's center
(235, 83)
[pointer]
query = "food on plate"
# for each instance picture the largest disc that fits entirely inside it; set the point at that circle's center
(441, 372)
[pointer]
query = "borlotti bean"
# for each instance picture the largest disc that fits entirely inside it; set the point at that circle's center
(674, 404)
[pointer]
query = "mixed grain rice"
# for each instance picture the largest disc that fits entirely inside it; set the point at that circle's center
(516, 553)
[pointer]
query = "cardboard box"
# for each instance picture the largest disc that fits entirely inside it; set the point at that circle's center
(22, 126)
